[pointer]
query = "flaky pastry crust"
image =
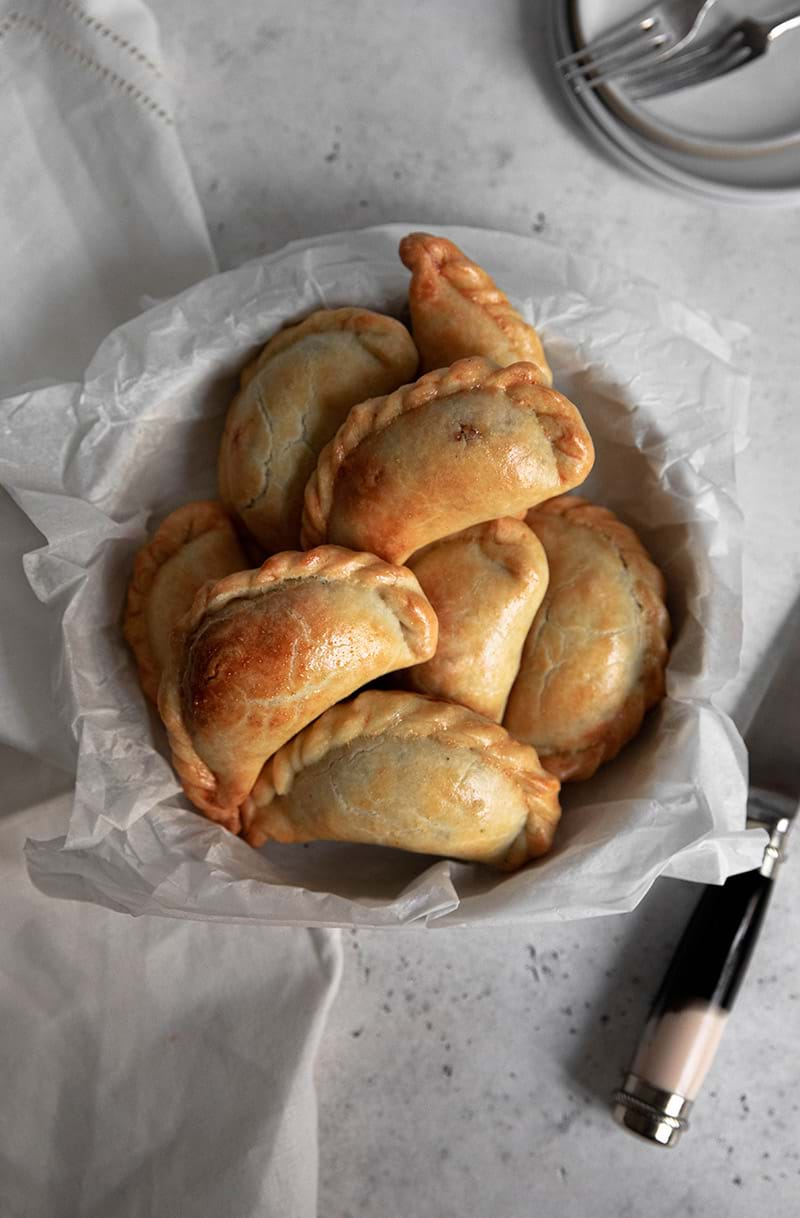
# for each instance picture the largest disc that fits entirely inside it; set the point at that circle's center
(594, 660)
(195, 543)
(464, 444)
(402, 770)
(485, 584)
(457, 310)
(262, 653)
(292, 399)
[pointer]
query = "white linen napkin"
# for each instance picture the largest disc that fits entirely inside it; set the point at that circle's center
(152, 1067)
(97, 208)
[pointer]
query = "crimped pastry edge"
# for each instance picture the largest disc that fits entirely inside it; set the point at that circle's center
(506, 532)
(375, 712)
(349, 318)
(514, 543)
(519, 382)
(649, 587)
(325, 562)
(180, 527)
(365, 325)
(427, 256)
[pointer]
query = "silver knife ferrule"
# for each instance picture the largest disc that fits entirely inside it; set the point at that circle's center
(656, 1115)
(775, 850)
(774, 812)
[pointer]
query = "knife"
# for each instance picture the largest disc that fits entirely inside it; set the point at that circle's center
(692, 1006)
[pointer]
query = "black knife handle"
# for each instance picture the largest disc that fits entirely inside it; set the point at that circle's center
(690, 1010)
(698, 991)
(712, 957)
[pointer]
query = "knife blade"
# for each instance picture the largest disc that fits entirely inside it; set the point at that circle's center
(772, 734)
(692, 1006)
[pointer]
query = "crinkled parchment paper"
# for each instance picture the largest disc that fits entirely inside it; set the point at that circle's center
(96, 465)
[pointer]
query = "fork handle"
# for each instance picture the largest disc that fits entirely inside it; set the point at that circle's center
(690, 1010)
(781, 23)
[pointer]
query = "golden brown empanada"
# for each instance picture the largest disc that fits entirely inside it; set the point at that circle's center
(594, 660)
(262, 653)
(464, 444)
(292, 399)
(195, 543)
(398, 769)
(457, 310)
(485, 585)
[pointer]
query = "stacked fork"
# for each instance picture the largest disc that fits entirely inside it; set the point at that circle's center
(659, 49)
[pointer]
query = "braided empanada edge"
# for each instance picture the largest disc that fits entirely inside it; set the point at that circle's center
(182, 526)
(428, 256)
(649, 587)
(557, 416)
(376, 712)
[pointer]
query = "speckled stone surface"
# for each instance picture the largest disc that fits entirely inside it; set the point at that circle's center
(468, 1073)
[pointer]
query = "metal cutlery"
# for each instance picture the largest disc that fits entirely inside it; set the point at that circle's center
(659, 29)
(731, 49)
(691, 1008)
(658, 51)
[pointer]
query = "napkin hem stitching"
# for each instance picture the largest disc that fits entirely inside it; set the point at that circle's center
(18, 21)
(94, 24)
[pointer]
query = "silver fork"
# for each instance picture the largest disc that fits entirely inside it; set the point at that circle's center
(657, 31)
(731, 49)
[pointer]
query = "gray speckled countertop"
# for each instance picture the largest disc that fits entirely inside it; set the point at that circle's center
(468, 1073)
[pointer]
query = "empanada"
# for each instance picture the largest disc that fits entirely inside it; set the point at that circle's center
(195, 543)
(463, 445)
(262, 653)
(398, 769)
(485, 585)
(594, 660)
(458, 311)
(292, 399)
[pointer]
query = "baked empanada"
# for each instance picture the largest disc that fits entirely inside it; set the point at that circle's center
(397, 769)
(195, 543)
(292, 399)
(262, 653)
(485, 585)
(463, 445)
(594, 660)
(458, 311)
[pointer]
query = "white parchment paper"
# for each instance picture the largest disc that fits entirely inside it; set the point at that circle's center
(96, 465)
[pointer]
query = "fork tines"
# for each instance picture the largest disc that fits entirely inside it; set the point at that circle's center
(663, 29)
(690, 68)
(613, 51)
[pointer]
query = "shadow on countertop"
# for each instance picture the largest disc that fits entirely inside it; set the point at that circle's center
(534, 23)
(647, 939)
